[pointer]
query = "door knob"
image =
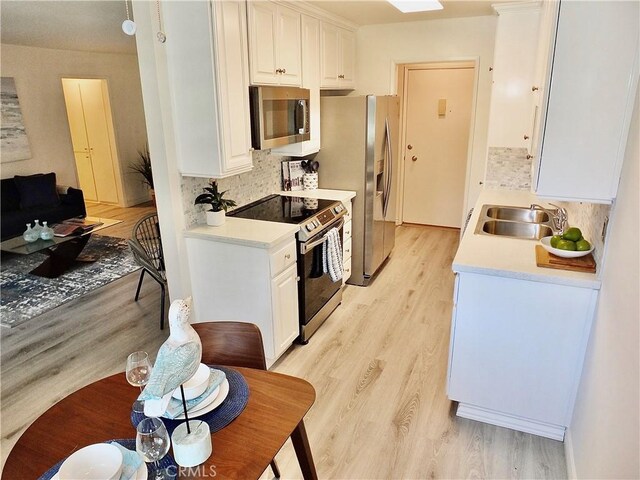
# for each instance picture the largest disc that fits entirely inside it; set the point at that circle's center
(529, 157)
(410, 147)
(414, 158)
(534, 88)
(526, 137)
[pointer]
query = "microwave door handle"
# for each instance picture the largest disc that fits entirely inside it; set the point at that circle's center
(305, 116)
(301, 123)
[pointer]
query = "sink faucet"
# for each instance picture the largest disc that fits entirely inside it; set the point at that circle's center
(558, 215)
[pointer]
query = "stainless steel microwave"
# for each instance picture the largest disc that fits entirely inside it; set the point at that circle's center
(279, 116)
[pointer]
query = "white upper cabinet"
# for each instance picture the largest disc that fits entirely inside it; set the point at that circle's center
(594, 75)
(337, 57)
(274, 44)
(310, 80)
(209, 82)
(514, 62)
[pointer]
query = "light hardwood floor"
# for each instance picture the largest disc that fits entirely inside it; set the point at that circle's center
(378, 365)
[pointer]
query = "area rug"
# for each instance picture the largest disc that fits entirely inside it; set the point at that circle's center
(24, 296)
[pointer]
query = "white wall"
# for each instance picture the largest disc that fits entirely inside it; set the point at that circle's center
(38, 73)
(603, 440)
(382, 46)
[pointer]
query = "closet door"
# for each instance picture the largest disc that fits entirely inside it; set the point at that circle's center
(73, 101)
(95, 115)
(85, 176)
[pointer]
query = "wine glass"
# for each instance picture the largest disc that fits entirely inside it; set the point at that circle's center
(153, 442)
(138, 373)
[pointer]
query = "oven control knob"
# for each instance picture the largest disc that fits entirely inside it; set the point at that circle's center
(310, 226)
(317, 222)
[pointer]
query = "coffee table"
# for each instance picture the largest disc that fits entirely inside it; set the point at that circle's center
(63, 251)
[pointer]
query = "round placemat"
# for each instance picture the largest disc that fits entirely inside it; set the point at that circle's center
(229, 409)
(130, 444)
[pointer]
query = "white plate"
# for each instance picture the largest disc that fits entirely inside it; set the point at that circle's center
(546, 243)
(141, 473)
(224, 391)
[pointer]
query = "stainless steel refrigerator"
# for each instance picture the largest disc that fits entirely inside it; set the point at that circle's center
(358, 143)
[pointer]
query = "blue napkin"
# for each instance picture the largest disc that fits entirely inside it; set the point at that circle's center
(216, 377)
(131, 462)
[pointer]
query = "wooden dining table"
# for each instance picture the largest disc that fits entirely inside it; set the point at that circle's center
(101, 411)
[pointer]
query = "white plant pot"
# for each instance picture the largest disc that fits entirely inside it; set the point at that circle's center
(215, 219)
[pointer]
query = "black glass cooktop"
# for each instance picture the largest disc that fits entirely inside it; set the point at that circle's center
(278, 208)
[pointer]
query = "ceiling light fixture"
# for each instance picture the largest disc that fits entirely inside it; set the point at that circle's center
(128, 26)
(411, 6)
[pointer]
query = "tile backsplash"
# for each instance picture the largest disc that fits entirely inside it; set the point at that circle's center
(589, 218)
(508, 168)
(264, 179)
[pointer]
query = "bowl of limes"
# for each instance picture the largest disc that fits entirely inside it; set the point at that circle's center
(571, 244)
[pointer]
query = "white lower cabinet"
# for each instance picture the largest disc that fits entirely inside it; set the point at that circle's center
(517, 349)
(285, 312)
(244, 283)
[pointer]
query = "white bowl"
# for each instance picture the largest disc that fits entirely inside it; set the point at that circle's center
(546, 243)
(94, 462)
(196, 385)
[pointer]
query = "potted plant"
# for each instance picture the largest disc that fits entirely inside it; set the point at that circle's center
(219, 205)
(143, 167)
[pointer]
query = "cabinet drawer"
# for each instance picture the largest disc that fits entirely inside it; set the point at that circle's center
(346, 270)
(282, 258)
(347, 230)
(347, 248)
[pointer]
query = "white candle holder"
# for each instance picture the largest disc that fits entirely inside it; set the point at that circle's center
(191, 449)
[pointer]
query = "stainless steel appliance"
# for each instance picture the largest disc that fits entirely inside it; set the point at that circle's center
(279, 116)
(318, 295)
(358, 152)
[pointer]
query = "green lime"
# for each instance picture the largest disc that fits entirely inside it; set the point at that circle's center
(554, 241)
(583, 245)
(572, 233)
(566, 245)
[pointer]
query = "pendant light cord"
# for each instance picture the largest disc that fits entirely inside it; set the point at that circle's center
(160, 35)
(126, 6)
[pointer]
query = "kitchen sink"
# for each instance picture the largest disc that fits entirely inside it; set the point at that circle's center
(518, 214)
(530, 231)
(514, 222)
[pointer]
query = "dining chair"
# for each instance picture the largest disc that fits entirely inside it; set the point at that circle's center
(237, 344)
(146, 246)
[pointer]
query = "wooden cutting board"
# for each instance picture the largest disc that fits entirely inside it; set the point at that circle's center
(581, 264)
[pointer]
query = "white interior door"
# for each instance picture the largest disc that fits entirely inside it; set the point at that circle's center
(95, 116)
(437, 124)
(89, 123)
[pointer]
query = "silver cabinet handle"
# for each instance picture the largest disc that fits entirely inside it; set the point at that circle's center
(287, 256)
(414, 158)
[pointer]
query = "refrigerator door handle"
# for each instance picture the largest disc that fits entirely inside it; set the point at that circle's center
(388, 167)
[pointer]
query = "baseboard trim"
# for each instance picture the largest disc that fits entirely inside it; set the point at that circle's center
(520, 424)
(569, 456)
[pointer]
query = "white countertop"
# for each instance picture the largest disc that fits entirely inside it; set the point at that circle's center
(510, 257)
(321, 193)
(244, 231)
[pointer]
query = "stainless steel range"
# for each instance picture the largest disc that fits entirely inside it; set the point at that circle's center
(318, 295)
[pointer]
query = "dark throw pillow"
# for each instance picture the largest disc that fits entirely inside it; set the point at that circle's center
(37, 190)
(10, 197)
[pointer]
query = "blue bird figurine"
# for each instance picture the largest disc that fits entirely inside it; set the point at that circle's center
(177, 360)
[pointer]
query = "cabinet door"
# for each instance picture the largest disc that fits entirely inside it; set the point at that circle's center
(517, 346)
(262, 42)
(233, 76)
(592, 90)
(288, 47)
(286, 326)
(329, 55)
(347, 74)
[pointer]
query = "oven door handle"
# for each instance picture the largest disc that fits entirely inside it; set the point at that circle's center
(305, 247)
